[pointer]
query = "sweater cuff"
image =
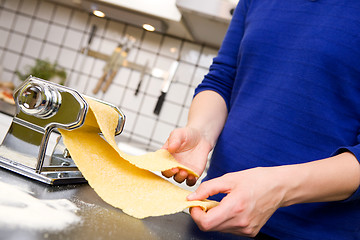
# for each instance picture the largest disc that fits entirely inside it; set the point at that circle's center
(356, 151)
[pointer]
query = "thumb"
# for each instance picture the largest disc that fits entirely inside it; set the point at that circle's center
(175, 140)
(166, 145)
(209, 188)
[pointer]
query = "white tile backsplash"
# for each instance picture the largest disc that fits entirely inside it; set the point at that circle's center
(190, 52)
(39, 29)
(97, 69)
(144, 57)
(45, 10)
(99, 22)
(144, 126)
(95, 43)
(154, 86)
(56, 32)
(4, 36)
(132, 54)
(78, 20)
(207, 56)
(7, 19)
(164, 63)
(8, 76)
(114, 94)
(185, 73)
(73, 39)
(89, 87)
(78, 82)
(28, 7)
(130, 118)
(114, 31)
(189, 97)
(66, 58)
(108, 46)
(62, 15)
(151, 41)
(50, 52)
(13, 4)
(123, 76)
(133, 80)
(177, 93)
(162, 132)
(22, 24)
(136, 33)
(183, 117)
(10, 60)
(171, 47)
(24, 64)
(148, 105)
(86, 66)
(170, 112)
(130, 101)
(198, 76)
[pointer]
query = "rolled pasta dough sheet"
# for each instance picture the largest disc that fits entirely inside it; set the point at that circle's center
(125, 181)
(107, 119)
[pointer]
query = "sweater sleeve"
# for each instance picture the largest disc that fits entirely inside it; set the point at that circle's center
(220, 77)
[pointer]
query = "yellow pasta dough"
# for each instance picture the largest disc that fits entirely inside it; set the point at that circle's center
(122, 180)
(107, 120)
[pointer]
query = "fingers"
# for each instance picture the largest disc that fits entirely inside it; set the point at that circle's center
(176, 138)
(166, 145)
(212, 220)
(216, 216)
(209, 188)
(180, 176)
(179, 144)
(191, 180)
(223, 218)
(171, 172)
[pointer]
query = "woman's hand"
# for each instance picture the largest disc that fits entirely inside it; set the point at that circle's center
(192, 144)
(252, 197)
(189, 148)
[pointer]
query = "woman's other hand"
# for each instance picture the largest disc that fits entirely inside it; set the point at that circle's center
(189, 148)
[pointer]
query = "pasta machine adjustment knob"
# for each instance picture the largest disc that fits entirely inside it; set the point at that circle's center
(41, 101)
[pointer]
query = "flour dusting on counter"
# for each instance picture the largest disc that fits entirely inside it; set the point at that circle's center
(18, 209)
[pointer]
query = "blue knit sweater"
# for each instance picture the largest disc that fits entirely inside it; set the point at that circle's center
(289, 72)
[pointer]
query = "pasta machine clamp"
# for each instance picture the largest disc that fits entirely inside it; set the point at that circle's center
(41, 108)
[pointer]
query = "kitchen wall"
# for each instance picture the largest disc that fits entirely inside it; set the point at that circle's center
(38, 29)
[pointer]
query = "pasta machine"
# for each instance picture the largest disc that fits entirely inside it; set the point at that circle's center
(41, 108)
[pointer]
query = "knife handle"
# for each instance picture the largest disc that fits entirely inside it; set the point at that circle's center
(109, 81)
(92, 33)
(99, 83)
(159, 103)
(138, 88)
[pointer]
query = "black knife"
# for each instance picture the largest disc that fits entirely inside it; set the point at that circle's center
(166, 85)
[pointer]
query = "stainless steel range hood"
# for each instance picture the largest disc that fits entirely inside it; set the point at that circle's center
(202, 21)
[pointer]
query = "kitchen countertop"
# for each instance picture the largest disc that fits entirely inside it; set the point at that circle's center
(98, 220)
